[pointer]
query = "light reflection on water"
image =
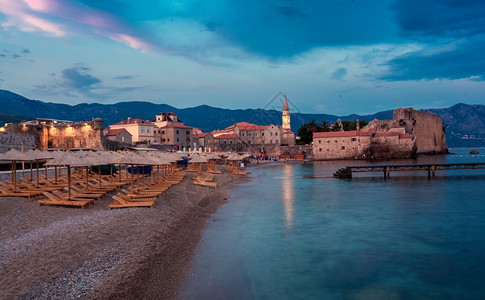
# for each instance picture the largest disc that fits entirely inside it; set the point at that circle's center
(282, 236)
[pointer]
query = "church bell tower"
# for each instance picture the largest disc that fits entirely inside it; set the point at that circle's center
(286, 116)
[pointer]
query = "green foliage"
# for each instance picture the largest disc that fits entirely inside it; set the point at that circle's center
(305, 132)
(349, 126)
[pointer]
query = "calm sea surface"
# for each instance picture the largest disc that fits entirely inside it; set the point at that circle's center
(283, 236)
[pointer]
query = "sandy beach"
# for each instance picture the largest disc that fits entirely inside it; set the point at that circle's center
(49, 252)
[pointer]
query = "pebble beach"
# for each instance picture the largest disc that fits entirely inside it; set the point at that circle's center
(51, 252)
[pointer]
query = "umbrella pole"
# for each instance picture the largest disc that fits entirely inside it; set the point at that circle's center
(55, 173)
(14, 180)
(132, 170)
(99, 170)
(31, 172)
(111, 172)
(87, 176)
(45, 171)
(69, 182)
(37, 163)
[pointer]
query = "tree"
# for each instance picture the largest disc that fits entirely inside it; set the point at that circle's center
(305, 132)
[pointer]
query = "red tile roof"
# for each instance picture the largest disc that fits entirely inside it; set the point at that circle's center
(332, 134)
(132, 121)
(228, 136)
(247, 126)
(406, 136)
(200, 135)
(174, 125)
(114, 131)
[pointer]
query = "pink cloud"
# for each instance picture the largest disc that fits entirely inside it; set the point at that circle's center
(36, 15)
(131, 41)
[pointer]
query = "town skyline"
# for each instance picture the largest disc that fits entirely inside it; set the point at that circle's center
(350, 57)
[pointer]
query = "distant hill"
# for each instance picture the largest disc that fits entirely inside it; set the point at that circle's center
(12, 119)
(461, 119)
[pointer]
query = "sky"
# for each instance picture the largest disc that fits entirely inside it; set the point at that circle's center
(336, 57)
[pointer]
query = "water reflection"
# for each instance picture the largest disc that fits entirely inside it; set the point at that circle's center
(288, 194)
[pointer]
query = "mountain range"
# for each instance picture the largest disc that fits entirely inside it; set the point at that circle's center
(461, 120)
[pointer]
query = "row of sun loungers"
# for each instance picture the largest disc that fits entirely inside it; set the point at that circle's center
(85, 192)
(204, 179)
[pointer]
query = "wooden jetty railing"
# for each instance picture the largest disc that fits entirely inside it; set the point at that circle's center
(346, 172)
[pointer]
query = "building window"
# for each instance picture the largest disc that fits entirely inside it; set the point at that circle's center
(122, 139)
(271, 134)
(354, 139)
(168, 140)
(320, 149)
(262, 133)
(187, 132)
(343, 148)
(276, 133)
(163, 140)
(163, 131)
(177, 139)
(142, 130)
(319, 141)
(148, 130)
(230, 142)
(328, 142)
(177, 133)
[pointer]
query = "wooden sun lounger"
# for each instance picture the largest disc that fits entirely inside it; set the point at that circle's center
(120, 202)
(8, 193)
(74, 193)
(101, 194)
(141, 195)
(53, 200)
(126, 198)
(198, 181)
(204, 176)
(64, 197)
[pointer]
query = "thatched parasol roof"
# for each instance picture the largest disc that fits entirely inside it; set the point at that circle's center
(15, 155)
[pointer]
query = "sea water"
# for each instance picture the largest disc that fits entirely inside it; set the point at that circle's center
(286, 236)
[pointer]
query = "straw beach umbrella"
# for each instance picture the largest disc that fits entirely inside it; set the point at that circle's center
(130, 158)
(14, 155)
(38, 155)
(69, 160)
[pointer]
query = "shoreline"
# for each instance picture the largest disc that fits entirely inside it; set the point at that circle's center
(50, 252)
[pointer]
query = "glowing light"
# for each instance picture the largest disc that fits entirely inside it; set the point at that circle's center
(2, 129)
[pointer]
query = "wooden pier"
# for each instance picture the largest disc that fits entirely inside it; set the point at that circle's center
(386, 169)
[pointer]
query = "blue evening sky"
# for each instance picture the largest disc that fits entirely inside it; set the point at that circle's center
(337, 57)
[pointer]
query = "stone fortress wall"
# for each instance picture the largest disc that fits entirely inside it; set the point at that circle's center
(9, 140)
(87, 134)
(426, 127)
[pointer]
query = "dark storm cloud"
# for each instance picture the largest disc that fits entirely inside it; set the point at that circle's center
(440, 18)
(452, 36)
(78, 78)
(458, 60)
